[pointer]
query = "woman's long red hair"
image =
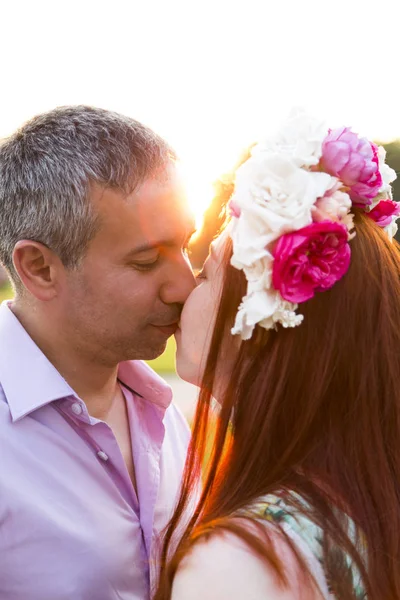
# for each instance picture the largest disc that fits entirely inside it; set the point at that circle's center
(314, 410)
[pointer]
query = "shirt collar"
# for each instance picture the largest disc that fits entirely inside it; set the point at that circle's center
(144, 381)
(30, 381)
(27, 377)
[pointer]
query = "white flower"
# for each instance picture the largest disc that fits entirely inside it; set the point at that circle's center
(391, 229)
(274, 196)
(387, 173)
(286, 315)
(300, 138)
(335, 206)
(265, 308)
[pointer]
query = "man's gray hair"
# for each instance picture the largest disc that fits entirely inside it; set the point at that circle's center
(46, 168)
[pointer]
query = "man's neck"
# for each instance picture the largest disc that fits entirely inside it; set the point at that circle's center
(94, 382)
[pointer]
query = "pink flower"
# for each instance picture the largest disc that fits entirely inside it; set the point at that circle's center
(354, 161)
(384, 211)
(310, 260)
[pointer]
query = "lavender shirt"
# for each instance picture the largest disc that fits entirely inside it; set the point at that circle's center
(71, 524)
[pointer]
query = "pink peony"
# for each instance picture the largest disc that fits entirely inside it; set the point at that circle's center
(354, 161)
(310, 260)
(384, 211)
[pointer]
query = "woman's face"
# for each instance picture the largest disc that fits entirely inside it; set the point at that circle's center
(198, 316)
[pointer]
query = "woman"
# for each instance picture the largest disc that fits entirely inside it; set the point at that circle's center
(294, 328)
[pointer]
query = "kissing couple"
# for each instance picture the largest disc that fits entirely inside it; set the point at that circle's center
(288, 486)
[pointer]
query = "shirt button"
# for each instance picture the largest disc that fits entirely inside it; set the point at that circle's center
(102, 455)
(76, 408)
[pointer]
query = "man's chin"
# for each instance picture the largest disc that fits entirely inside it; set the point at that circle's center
(154, 353)
(149, 352)
(148, 345)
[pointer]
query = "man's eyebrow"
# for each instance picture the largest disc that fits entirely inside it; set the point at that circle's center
(148, 247)
(156, 245)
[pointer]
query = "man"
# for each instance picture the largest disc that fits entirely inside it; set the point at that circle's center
(93, 231)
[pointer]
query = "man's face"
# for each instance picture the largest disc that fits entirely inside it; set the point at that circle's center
(125, 299)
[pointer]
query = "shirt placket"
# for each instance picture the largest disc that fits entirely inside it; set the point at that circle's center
(148, 433)
(101, 440)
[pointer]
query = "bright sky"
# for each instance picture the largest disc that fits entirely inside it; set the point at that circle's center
(210, 76)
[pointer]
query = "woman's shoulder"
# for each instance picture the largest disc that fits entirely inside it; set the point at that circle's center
(292, 514)
(224, 566)
(293, 520)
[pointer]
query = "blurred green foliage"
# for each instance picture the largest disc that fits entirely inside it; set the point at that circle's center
(5, 292)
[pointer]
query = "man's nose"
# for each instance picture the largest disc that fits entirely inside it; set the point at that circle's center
(180, 282)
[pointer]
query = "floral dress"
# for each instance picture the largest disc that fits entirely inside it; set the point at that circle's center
(308, 538)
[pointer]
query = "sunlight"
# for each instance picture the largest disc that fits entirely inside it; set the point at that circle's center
(203, 164)
(199, 188)
(222, 95)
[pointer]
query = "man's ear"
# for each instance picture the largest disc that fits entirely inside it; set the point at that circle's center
(39, 268)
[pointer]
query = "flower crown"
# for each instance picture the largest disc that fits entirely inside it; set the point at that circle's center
(291, 216)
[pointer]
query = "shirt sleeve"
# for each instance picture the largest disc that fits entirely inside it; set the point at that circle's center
(225, 568)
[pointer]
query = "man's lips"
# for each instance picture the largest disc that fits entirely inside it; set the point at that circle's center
(167, 329)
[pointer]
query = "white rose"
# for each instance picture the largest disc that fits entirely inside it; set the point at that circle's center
(275, 196)
(300, 138)
(249, 244)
